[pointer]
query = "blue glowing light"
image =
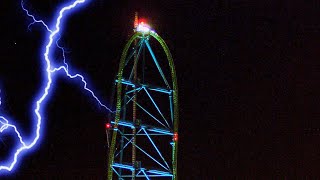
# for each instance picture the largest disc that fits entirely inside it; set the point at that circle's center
(49, 70)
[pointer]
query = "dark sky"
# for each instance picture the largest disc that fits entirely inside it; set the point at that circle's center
(248, 75)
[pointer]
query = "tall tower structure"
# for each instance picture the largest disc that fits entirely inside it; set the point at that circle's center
(144, 129)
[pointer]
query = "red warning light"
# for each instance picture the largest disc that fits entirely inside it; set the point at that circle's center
(108, 125)
(142, 21)
(175, 137)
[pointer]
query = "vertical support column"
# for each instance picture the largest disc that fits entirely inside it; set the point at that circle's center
(134, 107)
(123, 131)
(134, 119)
(171, 107)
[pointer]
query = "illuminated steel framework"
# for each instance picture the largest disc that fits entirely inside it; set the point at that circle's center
(144, 129)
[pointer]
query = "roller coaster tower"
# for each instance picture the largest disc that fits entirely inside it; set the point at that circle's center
(143, 130)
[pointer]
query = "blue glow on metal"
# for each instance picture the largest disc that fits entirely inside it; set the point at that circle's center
(152, 129)
(162, 90)
(124, 123)
(144, 173)
(134, 90)
(171, 106)
(151, 115)
(44, 93)
(161, 131)
(147, 154)
(167, 168)
(123, 166)
(154, 145)
(126, 82)
(157, 64)
(159, 172)
(114, 170)
(156, 106)
(127, 142)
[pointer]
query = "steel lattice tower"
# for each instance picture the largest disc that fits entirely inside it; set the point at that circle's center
(144, 129)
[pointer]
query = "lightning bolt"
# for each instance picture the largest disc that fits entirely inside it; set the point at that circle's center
(50, 70)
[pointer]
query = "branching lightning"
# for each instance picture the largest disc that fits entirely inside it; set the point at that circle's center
(49, 70)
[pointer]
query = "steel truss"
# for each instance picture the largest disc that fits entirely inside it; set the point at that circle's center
(144, 143)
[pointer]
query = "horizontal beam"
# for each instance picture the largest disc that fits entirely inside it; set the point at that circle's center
(150, 172)
(159, 172)
(143, 176)
(123, 166)
(148, 128)
(158, 89)
(154, 134)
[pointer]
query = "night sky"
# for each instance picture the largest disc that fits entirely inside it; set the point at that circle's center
(248, 75)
